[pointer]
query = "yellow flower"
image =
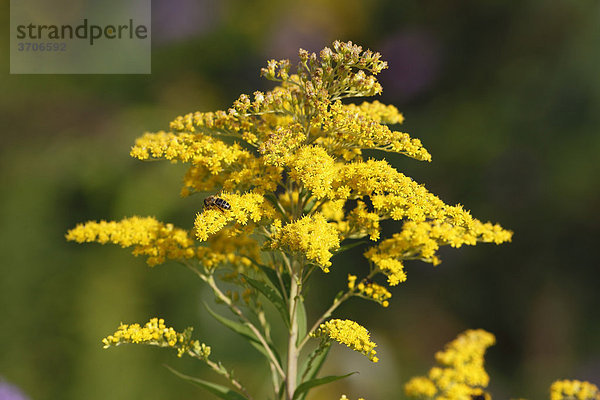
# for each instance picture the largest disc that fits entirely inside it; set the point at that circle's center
(282, 143)
(249, 208)
(421, 240)
(315, 169)
(351, 126)
(370, 290)
(345, 398)
(461, 375)
(151, 238)
(155, 333)
(312, 236)
(349, 333)
(213, 162)
(574, 390)
(228, 247)
(420, 387)
(359, 222)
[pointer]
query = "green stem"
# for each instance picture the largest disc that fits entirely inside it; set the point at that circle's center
(325, 315)
(265, 326)
(211, 282)
(293, 350)
(219, 369)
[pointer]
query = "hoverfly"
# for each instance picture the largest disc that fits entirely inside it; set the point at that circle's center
(216, 202)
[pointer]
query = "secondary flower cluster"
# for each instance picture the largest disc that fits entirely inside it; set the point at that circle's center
(370, 290)
(349, 333)
(151, 238)
(461, 375)
(312, 236)
(155, 333)
(574, 390)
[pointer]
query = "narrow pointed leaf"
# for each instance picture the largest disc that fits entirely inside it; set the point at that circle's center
(271, 295)
(306, 386)
(318, 357)
(222, 392)
(271, 275)
(245, 332)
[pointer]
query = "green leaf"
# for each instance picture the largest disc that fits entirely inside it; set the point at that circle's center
(237, 327)
(244, 331)
(300, 319)
(271, 295)
(271, 275)
(314, 362)
(306, 386)
(218, 390)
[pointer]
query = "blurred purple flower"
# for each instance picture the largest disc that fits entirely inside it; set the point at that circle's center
(414, 59)
(174, 20)
(10, 392)
(291, 35)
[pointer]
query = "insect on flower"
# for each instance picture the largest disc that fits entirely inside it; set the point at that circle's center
(215, 202)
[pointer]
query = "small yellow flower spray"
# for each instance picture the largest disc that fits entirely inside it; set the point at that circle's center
(290, 188)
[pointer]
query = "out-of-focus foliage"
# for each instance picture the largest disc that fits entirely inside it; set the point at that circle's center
(504, 95)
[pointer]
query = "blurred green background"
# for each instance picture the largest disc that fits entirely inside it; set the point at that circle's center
(506, 97)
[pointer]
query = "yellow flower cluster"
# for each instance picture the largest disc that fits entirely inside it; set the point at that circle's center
(315, 169)
(360, 223)
(151, 238)
(203, 150)
(228, 247)
(359, 127)
(310, 235)
(155, 333)
(345, 398)
(574, 390)
(370, 290)
(282, 143)
(245, 209)
(461, 375)
(421, 240)
(349, 333)
(377, 111)
(213, 162)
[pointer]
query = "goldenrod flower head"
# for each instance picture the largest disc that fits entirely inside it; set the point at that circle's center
(351, 126)
(282, 143)
(155, 333)
(461, 374)
(574, 390)
(359, 223)
(420, 387)
(349, 333)
(203, 150)
(312, 236)
(421, 240)
(245, 209)
(228, 247)
(315, 169)
(370, 290)
(150, 237)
